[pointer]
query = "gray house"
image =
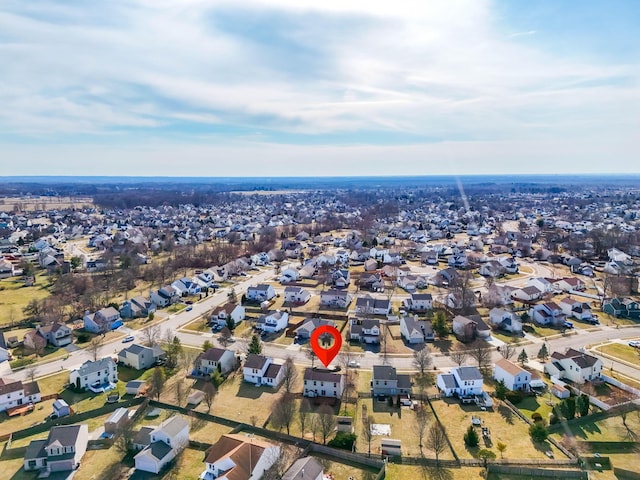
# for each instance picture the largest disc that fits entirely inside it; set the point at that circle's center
(140, 357)
(386, 381)
(60, 452)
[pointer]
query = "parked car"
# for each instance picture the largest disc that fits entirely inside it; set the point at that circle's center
(634, 344)
(129, 338)
(567, 324)
(354, 364)
(189, 308)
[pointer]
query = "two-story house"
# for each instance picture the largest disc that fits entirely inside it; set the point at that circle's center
(548, 313)
(95, 376)
(306, 468)
(364, 330)
(56, 334)
(140, 357)
(569, 284)
(186, 286)
(228, 310)
(33, 340)
(335, 298)
(574, 365)
(307, 327)
(60, 452)
(215, 359)
(467, 328)
(322, 383)
(340, 278)
(261, 370)
(239, 457)
(461, 381)
(386, 381)
(527, 294)
(102, 321)
(414, 330)
(296, 295)
(166, 441)
(260, 293)
(506, 320)
(273, 322)
(419, 302)
(622, 308)
(136, 307)
(576, 309)
(513, 376)
(14, 393)
(165, 296)
(368, 305)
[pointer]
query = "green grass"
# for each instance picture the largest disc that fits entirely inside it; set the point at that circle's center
(14, 296)
(22, 357)
(176, 307)
(529, 405)
(623, 352)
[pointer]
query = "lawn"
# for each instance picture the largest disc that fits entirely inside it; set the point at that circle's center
(398, 472)
(543, 405)
(101, 465)
(621, 351)
(197, 325)
(37, 415)
(13, 469)
(49, 353)
(503, 424)
(188, 466)
(609, 429)
(14, 296)
(343, 471)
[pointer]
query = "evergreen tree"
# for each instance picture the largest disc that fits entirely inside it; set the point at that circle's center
(523, 357)
(255, 346)
(439, 324)
(471, 438)
(543, 353)
(582, 405)
(501, 390)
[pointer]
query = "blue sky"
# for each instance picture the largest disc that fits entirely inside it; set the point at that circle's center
(339, 87)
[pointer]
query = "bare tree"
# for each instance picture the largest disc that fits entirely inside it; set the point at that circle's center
(282, 460)
(480, 351)
(210, 392)
(158, 381)
(459, 354)
(311, 356)
(31, 373)
(94, 347)
(314, 424)
(349, 388)
(124, 437)
(384, 342)
(420, 424)
(327, 422)
(225, 337)
(303, 415)
(508, 350)
(422, 359)
(290, 374)
(422, 382)
(436, 440)
(151, 335)
(180, 388)
(284, 409)
(367, 433)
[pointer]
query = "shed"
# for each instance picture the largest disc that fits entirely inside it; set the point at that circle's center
(195, 398)
(559, 391)
(391, 446)
(135, 387)
(61, 408)
(116, 420)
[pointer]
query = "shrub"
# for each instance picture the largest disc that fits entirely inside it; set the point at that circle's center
(514, 397)
(536, 417)
(538, 432)
(343, 440)
(217, 378)
(471, 438)
(553, 419)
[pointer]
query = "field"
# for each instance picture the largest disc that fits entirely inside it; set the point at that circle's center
(503, 425)
(30, 204)
(413, 472)
(14, 296)
(622, 351)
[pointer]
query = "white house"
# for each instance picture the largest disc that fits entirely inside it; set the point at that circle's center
(574, 365)
(260, 293)
(461, 381)
(322, 383)
(237, 456)
(273, 322)
(415, 330)
(140, 357)
(376, 306)
(14, 393)
(228, 310)
(94, 375)
(386, 381)
(289, 275)
(527, 294)
(261, 370)
(548, 313)
(545, 285)
(56, 333)
(506, 320)
(296, 295)
(575, 309)
(187, 286)
(569, 284)
(365, 331)
(166, 441)
(419, 302)
(335, 298)
(215, 359)
(165, 296)
(513, 376)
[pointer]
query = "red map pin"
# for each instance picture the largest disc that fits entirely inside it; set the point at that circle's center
(326, 355)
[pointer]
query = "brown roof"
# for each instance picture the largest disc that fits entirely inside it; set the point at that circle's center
(214, 354)
(321, 375)
(509, 367)
(245, 453)
(10, 386)
(228, 308)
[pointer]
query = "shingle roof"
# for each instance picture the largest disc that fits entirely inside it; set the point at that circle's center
(469, 373)
(304, 468)
(255, 361)
(321, 375)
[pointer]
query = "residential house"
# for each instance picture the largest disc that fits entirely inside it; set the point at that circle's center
(569, 284)
(335, 298)
(461, 381)
(140, 357)
(368, 305)
(322, 383)
(239, 457)
(419, 302)
(215, 359)
(545, 285)
(261, 370)
(307, 327)
(576, 309)
(260, 293)
(6, 268)
(102, 321)
(513, 376)
(386, 381)
(622, 308)
(289, 275)
(574, 365)
(415, 330)
(14, 393)
(364, 330)
(370, 265)
(165, 296)
(62, 451)
(56, 333)
(166, 441)
(548, 313)
(4, 354)
(492, 268)
(371, 281)
(94, 375)
(222, 313)
(508, 263)
(187, 286)
(296, 295)
(506, 320)
(273, 322)
(527, 294)
(340, 278)
(305, 468)
(411, 283)
(137, 307)
(34, 341)
(469, 327)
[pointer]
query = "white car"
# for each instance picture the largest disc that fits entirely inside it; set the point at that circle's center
(634, 343)
(354, 364)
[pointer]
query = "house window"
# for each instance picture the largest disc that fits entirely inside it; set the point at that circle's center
(315, 383)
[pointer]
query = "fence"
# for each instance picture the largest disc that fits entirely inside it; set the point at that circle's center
(537, 472)
(621, 473)
(620, 385)
(435, 415)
